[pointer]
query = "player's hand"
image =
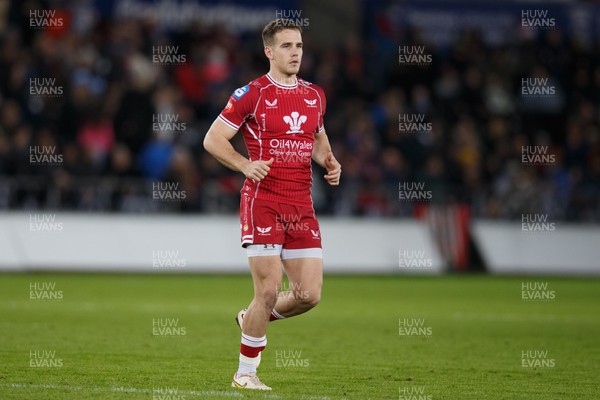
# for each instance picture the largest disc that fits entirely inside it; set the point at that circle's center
(334, 170)
(257, 170)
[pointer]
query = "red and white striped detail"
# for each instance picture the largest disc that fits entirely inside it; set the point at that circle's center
(252, 346)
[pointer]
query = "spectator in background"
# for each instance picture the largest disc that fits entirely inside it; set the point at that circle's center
(470, 93)
(97, 137)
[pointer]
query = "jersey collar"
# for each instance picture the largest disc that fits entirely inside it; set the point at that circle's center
(274, 82)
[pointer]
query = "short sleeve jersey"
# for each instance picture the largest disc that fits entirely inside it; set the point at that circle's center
(278, 121)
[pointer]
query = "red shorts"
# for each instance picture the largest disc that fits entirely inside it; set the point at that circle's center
(267, 222)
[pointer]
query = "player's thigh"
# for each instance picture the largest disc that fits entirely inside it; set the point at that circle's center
(302, 254)
(266, 274)
(305, 274)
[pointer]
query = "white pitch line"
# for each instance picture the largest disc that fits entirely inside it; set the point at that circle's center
(195, 393)
(204, 393)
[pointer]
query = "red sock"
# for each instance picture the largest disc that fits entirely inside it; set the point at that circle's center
(250, 349)
(275, 316)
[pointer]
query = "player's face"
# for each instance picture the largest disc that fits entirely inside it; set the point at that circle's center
(286, 53)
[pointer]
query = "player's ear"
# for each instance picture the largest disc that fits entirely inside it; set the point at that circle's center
(268, 52)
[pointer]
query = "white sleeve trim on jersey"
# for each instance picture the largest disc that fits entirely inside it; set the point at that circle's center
(313, 252)
(231, 124)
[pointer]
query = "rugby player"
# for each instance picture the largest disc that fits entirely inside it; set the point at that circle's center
(281, 119)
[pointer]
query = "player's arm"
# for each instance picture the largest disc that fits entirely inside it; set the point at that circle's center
(217, 143)
(323, 156)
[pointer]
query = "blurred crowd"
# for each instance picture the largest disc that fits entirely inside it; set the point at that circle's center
(112, 91)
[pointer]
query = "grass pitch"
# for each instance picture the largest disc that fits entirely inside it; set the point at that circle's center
(174, 337)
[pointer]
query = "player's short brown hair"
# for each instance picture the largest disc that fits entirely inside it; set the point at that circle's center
(277, 25)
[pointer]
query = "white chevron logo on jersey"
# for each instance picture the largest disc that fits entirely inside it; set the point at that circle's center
(295, 121)
(271, 104)
(311, 103)
(315, 234)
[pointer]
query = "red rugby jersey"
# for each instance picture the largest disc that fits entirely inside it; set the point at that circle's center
(278, 121)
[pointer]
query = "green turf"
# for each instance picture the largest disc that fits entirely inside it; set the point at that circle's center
(350, 344)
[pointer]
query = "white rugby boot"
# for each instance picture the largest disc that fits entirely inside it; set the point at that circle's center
(248, 381)
(239, 319)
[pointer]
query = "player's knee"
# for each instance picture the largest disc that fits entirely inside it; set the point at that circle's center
(267, 298)
(310, 298)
